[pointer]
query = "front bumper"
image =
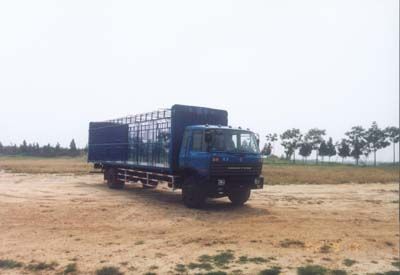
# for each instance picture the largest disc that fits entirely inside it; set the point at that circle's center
(258, 183)
(220, 185)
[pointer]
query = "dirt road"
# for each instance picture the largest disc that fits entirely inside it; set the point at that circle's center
(69, 218)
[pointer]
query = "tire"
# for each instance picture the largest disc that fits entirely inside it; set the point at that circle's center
(113, 182)
(239, 195)
(193, 195)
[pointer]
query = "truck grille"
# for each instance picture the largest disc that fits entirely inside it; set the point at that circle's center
(242, 169)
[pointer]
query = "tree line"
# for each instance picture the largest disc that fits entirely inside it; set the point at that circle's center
(357, 143)
(35, 150)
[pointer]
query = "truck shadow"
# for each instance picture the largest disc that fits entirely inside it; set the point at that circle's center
(162, 197)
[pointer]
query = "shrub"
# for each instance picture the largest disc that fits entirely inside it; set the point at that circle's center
(42, 266)
(256, 260)
(108, 270)
(221, 259)
(271, 271)
(291, 243)
(312, 270)
(396, 264)
(205, 266)
(10, 264)
(70, 268)
(349, 262)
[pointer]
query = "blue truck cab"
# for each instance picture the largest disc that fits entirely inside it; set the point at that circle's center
(223, 161)
(191, 148)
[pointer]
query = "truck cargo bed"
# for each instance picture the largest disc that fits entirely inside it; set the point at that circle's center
(148, 141)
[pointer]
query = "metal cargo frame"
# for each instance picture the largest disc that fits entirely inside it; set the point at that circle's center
(149, 141)
(149, 137)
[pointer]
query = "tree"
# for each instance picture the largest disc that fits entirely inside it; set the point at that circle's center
(72, 147)
(331, 149)
(315, 137)
(267, 150)
(271, 138)
(57, 149)
(393, 134)
(357, 142)
(376, 139)
(323, 150)
(1, 147)
(344, 149)
(290, 141)
(305, 150)
(23, 147)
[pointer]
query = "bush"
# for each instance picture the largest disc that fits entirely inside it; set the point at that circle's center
(271, 271)
(42, 266)
(108, 270)
(70, 268)
(312, 270)
(10, 264)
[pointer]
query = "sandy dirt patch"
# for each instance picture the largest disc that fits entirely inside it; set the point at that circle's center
(77, 219)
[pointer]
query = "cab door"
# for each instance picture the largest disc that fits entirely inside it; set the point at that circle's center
(198, 158)
(183, 153)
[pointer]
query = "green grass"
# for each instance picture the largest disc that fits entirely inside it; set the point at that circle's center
(328, 174)
(70, 268)
(319, 270)
(312, 270)
(325, 248)
(291, 243)
(34, 165)
(255, 260)
(10, 264)
(349, 262)
(273, 172)
(180, 268)
(108, 270)
(205, 266)
(220, 260)
(396, 264)
(41, 266)
(271, 271)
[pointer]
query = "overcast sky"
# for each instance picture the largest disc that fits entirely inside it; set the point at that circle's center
(273, 65)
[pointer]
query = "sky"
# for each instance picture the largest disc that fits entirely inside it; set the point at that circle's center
(273, 65)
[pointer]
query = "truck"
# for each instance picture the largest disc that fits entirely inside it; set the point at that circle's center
(189, 148)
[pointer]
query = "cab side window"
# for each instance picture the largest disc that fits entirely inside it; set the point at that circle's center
(185, 142)
(198, 144)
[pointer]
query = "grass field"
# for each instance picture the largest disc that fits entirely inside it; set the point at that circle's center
(273, 173)
(328, 174)
(45, 165)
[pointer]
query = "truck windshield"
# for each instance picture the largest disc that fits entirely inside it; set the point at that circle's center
(233, 141)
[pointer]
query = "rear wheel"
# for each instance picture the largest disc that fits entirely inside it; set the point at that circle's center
(193, 195)
(113, 182)
(239, 195)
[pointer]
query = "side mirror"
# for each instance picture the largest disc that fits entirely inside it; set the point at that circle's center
(258, 140)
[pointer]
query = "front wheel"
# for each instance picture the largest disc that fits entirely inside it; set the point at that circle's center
(113, 182)
(193, 195)
(239, 195)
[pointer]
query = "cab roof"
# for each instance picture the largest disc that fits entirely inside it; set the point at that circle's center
(202, 127)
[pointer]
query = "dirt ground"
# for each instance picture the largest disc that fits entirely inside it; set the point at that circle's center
(76, 218)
